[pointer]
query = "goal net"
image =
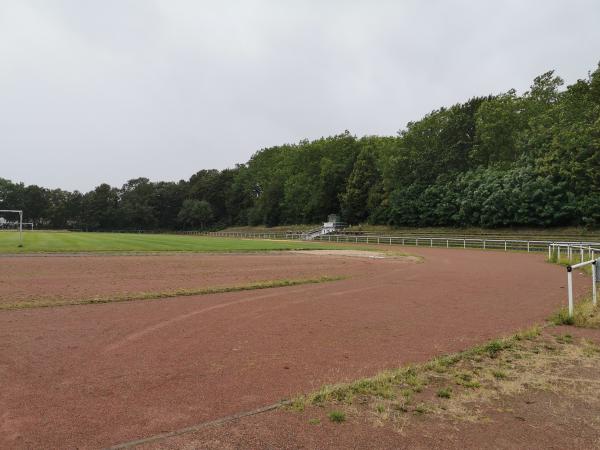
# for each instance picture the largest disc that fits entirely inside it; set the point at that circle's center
(12, 220)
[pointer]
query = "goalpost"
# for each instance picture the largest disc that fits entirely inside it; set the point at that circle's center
(20, 213)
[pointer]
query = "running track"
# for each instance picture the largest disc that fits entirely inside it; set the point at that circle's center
(95, 375)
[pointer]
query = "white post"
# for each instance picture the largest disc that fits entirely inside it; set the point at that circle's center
(558, 253)
(447, 243)
(581, 252)
(527, 246)
(570, 289)
(504, 245)
(464, 243)
(594, 265)
(484, 244)
(21, 227)
(549, 252)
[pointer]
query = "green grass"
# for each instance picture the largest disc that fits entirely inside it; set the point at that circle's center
(70, 242)
(564, 261)
(585, 315)
(337, 416)
(444, 392)
(46, 303)
(412, 379)
(499, 374)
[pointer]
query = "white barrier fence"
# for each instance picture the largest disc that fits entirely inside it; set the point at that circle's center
(594, 263)
(560, 251)
(419, 241)
(569, 250)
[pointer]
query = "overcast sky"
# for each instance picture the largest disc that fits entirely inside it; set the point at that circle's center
(104, 91)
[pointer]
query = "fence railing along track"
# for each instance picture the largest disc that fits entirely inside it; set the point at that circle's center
(537, 245)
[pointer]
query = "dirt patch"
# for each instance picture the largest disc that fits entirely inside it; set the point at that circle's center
(358, 254)
(95, 375)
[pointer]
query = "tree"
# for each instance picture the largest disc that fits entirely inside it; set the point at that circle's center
(363, 178)
(195, 212)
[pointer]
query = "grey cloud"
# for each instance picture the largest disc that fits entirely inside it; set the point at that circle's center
(94, 91)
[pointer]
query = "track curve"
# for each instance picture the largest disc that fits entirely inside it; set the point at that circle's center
(95, 375)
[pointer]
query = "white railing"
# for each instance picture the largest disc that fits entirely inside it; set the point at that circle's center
(533, 245)
(594, 263)
(569, 250)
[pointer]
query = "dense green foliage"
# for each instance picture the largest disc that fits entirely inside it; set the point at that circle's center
(503, 160)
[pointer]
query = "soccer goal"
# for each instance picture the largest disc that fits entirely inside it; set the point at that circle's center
(6, 224)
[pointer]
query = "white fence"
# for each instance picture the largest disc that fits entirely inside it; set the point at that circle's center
(419, 241)
(556, 249)
(558, 252)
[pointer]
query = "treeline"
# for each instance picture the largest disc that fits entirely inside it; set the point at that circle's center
(495, 161)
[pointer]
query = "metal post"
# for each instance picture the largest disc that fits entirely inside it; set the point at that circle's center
(558, 253)
(21, 227)
(417, 242)
(549, 252)
(570, 289)
(527, 246)
(431, 242)
(447, 243)
(594, 265)
(581, 252)
(504, 245)
(484, 244)
(464, 243)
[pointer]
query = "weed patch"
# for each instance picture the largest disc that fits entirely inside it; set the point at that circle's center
(585, 315)
(337, 416)
(444, 392)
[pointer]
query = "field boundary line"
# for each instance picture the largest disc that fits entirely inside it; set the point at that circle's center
(199, 426)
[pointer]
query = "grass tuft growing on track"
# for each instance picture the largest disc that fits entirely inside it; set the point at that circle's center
(399, 386)
(47, 303)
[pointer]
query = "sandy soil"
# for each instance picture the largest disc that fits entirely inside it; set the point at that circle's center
(94, 375)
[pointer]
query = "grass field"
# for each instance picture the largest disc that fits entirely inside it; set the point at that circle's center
(67, 242)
